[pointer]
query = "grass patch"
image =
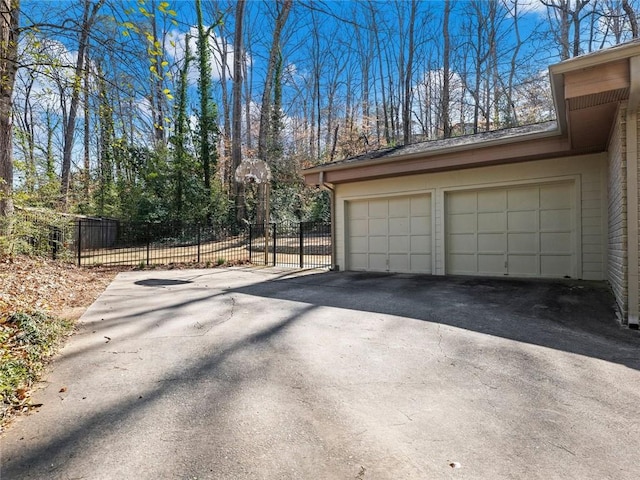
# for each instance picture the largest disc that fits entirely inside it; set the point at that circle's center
(27, 341)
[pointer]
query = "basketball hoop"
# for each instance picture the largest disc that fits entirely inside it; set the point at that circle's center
(254, 170)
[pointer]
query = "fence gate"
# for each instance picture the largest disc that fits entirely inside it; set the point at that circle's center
(291, 244)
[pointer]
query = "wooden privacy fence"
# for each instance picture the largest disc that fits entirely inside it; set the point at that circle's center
(303, 245)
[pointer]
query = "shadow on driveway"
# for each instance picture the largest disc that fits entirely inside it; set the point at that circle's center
(215, 380)
(568, 315)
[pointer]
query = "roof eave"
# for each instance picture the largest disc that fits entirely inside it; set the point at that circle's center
(442, 151)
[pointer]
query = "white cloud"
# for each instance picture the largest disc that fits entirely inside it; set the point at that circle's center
(532, 6)
(217, 47)
(50, 73)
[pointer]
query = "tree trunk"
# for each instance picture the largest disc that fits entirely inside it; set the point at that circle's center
(512, 116)
(157, 85)
(236, 132)
(631, 15)
(265, 110)
(446, 62)
(406, 105)
(89, 17)
(9, 22)
(208, 113)
(87, 131)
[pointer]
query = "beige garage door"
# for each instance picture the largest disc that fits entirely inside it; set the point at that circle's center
(389, 234)
(525, 231)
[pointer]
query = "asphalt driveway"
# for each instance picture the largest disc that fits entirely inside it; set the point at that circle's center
(269, 374)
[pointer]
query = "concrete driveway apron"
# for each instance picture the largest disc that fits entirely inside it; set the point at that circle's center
(273, 374)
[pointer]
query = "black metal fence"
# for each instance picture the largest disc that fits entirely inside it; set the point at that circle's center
(302, 245)
(291, 244)
(43, 233)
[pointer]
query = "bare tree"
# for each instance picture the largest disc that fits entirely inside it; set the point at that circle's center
(631, 15)
(236, 133)
(512, 114)
(9, 24)
(87, 127)
(446, 64)
(90, 12)
(567, 17)
(408, 79)
(284, 7)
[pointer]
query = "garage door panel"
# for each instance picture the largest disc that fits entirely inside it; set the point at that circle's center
(399, 225)
(555, 242)
(523, 198)
(462, 202)
(399, 262)
(378, 244)
(520, 230)
(359, 227)
(420, 262)
(524, 221)
(462, 223)
(359, 244)
(524, 265)
(420, 225)
(359, 261)
(420, 206)
(492, 201)
(378, 226)
(555, 196)
(522, 243)
(390, 234)
(491, 222)
(491, 264)
(559, 219)
(399, 243)
(420, 244)
(491, 242)
(378, 209)
(359, 210)
(377, 262)
(462, 243)
(463, 263)
(399, 207)
(555, 265)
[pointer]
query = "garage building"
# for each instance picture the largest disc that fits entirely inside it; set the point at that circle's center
(553, 200)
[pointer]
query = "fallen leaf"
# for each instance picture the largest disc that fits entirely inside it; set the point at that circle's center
(62, 390)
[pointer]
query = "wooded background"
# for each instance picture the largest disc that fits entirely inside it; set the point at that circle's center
(141, 110)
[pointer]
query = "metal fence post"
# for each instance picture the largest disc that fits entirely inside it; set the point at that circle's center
(79, 242)
(250, 235)
(274, 244)
(148, 241)
(198, 242)
(301, 246)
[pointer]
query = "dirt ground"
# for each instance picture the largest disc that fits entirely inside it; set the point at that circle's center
(58, 288)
